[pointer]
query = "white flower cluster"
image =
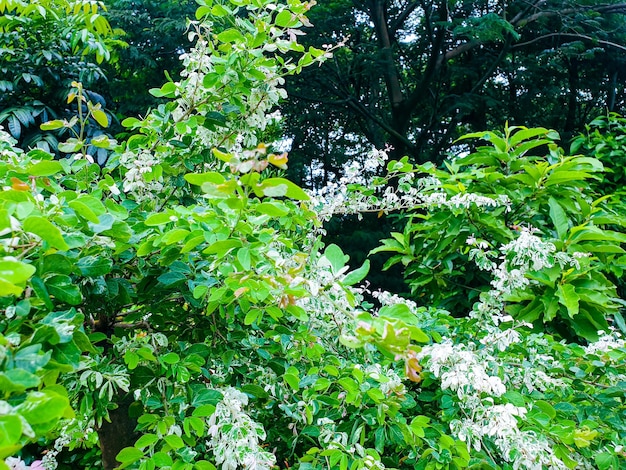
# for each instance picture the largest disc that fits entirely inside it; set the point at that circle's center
(463, 371)
(460, 370)
(525, 253)
(199, 63)
(7, 152)
(338, 198)
(328, 299)
(15, 463)
(48, 461)
(387, 298)
(606, 343)
(524, 449)
(138, 165)
(334, 439)
(235, 436)
(390, 382)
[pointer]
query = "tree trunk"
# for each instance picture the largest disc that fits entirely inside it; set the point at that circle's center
(117, 434)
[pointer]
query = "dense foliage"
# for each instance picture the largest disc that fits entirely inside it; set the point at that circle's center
(176, 308)
(45, 46)
(419, 74)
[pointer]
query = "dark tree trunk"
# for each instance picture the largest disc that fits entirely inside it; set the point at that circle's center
(117, 434)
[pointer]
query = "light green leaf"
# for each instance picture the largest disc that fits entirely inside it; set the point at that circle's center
(71, 145)
(273, 209)
(243, 255)
(52, 125)
(278, 187)
(158, 219)
(10, 431)
(230, 35)
(15, 273)
(198, 179)
(129, 455)
(146, 440)
(293, 381)
(42, 227)
(100, 117)
(357, 275)
(45, 168)
(284, 19)
(336, 257)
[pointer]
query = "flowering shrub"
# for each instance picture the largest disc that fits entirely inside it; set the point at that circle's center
(552, 192)
(177, 309)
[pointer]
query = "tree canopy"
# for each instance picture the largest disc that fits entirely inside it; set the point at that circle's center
(418, 74)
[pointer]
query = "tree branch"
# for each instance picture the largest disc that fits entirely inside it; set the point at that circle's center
(402, 17)
(358, 107)
(572, 35)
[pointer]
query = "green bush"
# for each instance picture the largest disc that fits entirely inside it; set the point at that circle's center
(521, 179)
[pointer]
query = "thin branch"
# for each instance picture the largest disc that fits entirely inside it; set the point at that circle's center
(573, 35)
(357, 106)
(402, 17)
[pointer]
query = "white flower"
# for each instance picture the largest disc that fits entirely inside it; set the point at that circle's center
(15, 463)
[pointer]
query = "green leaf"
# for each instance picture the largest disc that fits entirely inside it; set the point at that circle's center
(336, 257)
(45, 168)
(284, 19)
(161, 459)
(202, 11)
(102, 141)
(170, 358)
(174, 236)
(84, 211)
(198, 179)
(204, 465)
(222, 247)
(293, 381)
(243, 256)
(62, 287)
(13, 276)
(230, 35)
(44, 229)
(559, 218)
(43, 407)
(100, 117)
(357, 275)
(252, 316)
(273, 209)
(278, 187)
(71, 145)
(146, 440)
(129, 455)
(94, 266)
(10, 431)
(52, 125)
(255, 391)
(17, 380)
(568, 298)
(174, 441)
(606, 461)
(158, 219)
(203, 411)
(171, 278)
